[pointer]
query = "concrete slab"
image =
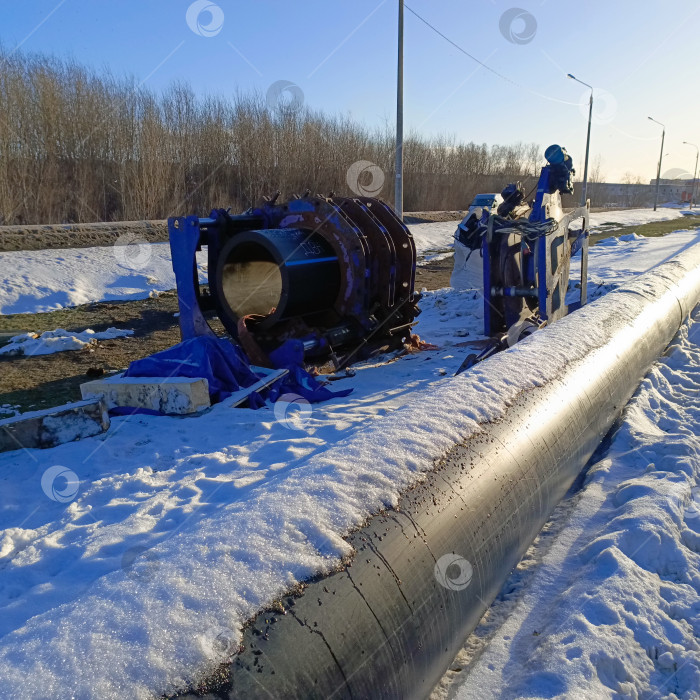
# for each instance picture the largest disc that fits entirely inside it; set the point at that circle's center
(53, 426)
(174, 395)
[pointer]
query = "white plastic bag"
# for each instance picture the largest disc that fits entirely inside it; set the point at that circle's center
(467, 273)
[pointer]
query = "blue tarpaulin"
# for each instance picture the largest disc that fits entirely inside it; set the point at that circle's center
(227, 369)
(218, 361)
(290, 355)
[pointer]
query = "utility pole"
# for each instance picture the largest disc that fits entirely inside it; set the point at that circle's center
(658, 170)
(398, 186)
(584, 189)
(695, 172)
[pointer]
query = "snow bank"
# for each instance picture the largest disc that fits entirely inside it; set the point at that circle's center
(613, 605)
(434, 238)
(59, 340)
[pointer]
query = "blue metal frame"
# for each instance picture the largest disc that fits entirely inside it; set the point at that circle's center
(185, 240)
(545, 265)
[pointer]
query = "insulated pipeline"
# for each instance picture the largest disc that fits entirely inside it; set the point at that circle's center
(389, 623)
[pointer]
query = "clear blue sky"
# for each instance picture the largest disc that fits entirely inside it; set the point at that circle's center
(640, 56)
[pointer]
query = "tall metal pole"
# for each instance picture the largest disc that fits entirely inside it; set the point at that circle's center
(398, 187)
(584, 189)
(695, 172)
(658, 170)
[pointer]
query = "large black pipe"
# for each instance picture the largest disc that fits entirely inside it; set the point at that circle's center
(390, 622)
(278, 273)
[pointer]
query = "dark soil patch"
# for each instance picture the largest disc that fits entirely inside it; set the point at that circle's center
(431, 217)
(435, 274)
(50, 380)
(80, 235)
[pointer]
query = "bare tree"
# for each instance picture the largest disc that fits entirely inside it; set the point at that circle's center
(80, 146)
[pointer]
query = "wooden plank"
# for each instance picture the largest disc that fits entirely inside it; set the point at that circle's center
(269, 378)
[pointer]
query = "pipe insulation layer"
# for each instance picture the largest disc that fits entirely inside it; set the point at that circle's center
(389, 623)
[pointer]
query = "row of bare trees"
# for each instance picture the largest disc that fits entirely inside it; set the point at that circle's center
(76, 146)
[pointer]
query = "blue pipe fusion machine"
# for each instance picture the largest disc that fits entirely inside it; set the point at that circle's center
(335, 273)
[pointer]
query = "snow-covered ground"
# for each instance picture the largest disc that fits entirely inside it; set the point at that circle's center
(33, 281)
(433, 241)
(44, 280)
(632, 217)
(118, 553)
(607, 602)
(613, 260)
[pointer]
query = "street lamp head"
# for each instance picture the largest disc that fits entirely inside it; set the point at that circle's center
(573, 77)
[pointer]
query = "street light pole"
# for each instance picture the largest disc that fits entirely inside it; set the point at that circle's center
(398, 181)
(695, 172)
(661, 155)
(584, 190)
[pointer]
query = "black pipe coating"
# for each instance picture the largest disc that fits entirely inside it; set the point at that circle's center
(389, 623)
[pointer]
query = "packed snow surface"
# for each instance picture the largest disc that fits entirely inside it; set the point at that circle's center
(632, 217)
(60, 340)
(44, 280)
(613, 260)
(33, 281)
(128, 557)
(610, 605)
(123, 557)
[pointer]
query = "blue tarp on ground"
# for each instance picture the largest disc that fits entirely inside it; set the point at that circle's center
(218, 361)
(226, 368)
(290, 356)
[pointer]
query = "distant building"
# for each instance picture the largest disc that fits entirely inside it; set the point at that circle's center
(676, 190)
